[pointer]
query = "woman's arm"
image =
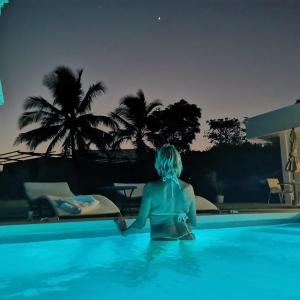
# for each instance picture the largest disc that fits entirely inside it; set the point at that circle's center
(143, 214)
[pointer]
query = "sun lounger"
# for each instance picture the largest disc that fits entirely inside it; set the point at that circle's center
(203, 204)
(67, 205)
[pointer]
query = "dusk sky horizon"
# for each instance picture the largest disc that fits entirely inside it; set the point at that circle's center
(231, 58)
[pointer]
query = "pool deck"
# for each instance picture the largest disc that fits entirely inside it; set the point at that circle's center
(15, 211)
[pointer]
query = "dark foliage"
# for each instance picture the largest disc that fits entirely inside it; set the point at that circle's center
(133, 116)
(225, 131)
(177, 124)
(243, 169)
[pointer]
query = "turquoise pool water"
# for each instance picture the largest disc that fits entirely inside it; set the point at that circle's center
(257, 262)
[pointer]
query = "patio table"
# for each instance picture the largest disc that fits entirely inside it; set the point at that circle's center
(127, 191)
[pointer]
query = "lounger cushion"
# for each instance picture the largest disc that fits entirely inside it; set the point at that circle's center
(100, 206)
(35, 190)
(54, 191)
(204, 204)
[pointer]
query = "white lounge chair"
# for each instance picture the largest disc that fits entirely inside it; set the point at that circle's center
(65, 204)
(203, 204)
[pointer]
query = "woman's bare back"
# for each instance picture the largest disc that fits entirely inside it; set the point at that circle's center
(170, 203)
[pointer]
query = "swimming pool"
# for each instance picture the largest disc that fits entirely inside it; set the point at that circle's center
(249, 262)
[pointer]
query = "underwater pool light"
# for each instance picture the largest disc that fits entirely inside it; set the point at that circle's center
(1, 95)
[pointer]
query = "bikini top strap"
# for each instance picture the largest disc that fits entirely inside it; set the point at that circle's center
(174, 180)
(182, 217)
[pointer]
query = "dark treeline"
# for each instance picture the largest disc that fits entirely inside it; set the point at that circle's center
(240, 171)
(67, 121)
(232, 166)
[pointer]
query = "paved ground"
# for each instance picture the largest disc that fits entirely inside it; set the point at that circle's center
(258, 207)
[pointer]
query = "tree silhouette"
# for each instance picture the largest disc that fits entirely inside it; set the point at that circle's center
(133, 116)
(225, 131)
(68, 120)
(178, 125)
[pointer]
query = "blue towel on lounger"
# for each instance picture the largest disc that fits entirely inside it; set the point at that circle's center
(68, 207)
(81, 200)
(84, 198)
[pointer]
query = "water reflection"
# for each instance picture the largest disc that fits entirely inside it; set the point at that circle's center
(157, 258)
(132, 263)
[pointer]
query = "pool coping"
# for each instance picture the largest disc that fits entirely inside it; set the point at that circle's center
(37, 232)
(220, 212)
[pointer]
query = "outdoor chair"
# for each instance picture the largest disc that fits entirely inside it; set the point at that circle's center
(279, 189)
(64, 203)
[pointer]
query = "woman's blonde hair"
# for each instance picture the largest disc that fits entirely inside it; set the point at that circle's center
(168, 162)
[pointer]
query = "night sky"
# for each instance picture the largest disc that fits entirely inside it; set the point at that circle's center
(231, 58)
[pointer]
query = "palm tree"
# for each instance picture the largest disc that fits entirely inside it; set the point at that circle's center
(68, 120)
(133, 116)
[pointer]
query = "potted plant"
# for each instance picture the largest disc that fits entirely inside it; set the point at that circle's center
(220, 185)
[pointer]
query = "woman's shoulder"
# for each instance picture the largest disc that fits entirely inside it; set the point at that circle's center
(157, 183)
(151, 187)
(185, 185)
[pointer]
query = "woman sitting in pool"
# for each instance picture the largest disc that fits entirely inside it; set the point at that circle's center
(169, 203)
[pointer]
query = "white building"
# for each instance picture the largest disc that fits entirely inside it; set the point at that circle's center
(278, 123)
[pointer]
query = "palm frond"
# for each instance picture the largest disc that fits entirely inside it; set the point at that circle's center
(79, 75)
(124, 135)
(35, 137)
(59, 136)
(121, 112)
(122, 121)
(126, 114)
(67, 144)
(96, 136)
(81, 143)
(95, 121)
(116, 142)
(40, 103)
(54, 120)
(132, 104)
(94, 90)
(152, 106)
(141, 95)
(65, 88)
(30, 117)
